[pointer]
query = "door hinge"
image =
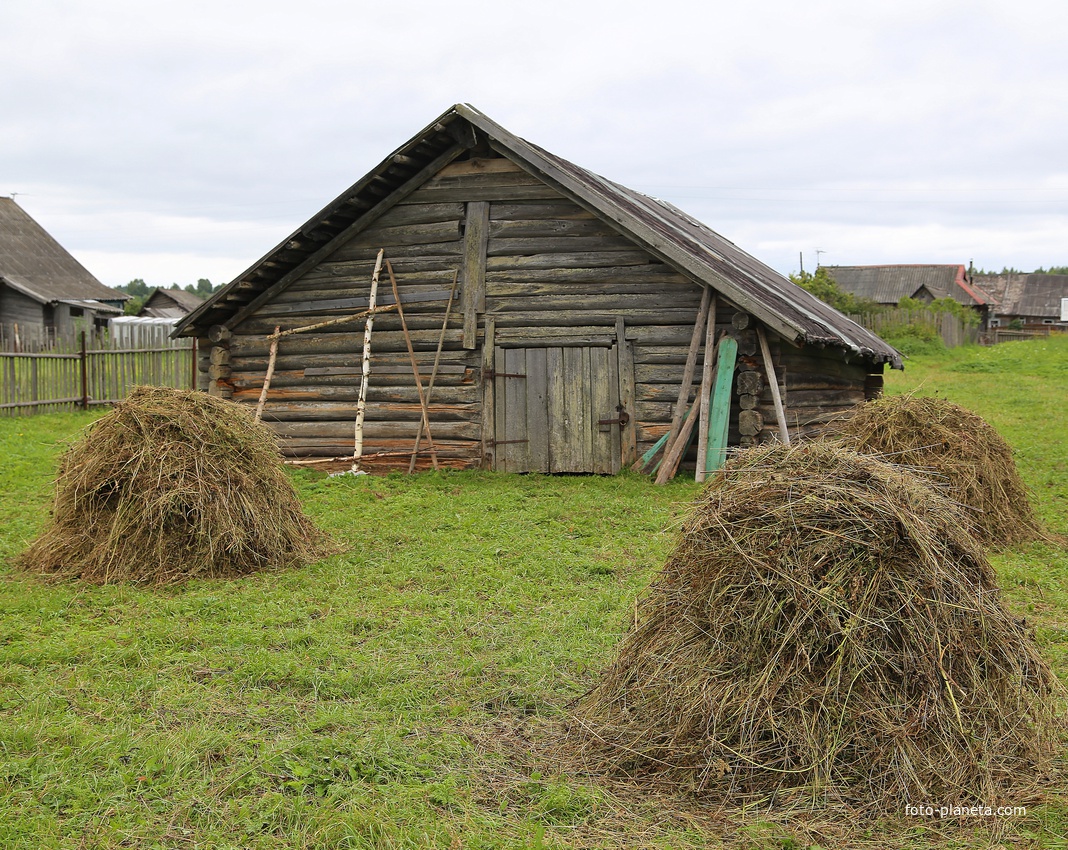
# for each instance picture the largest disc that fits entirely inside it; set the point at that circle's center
(620, 420)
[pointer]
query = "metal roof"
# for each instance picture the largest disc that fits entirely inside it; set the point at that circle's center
(35, 264)
(889, 284)
(1027, 295)
(665, 231)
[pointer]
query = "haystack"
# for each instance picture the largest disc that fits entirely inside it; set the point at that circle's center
(957, 449)
(825, 630)
(168, 486)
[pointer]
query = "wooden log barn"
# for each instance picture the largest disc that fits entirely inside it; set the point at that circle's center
(549, 320)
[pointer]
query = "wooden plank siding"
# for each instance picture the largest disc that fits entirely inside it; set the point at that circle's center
(553, 282)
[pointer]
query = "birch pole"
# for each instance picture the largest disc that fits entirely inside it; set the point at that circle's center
(270, 372)
(361, 404)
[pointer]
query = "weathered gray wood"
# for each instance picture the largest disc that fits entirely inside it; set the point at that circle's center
(682, 404)
(773, 383)
(313, 410)
(555, 244)
(571, 341)
(705, 396)
(750, 422)
(489, 415)
(381, 370)
(559, 429)
(415, 366)
(575, 317)
(325, 307)
(528, 210)
(474, 269)
(267, 378)
(628, 433)
(407, 234)
(568, 259)
(749, 381)
(372, 430)
(422, 214)
(480, 165)
(443, 193)
(547, 227)
(642, 279)
(537, 425)
(435, 370)
(218, 333)
(516, 443)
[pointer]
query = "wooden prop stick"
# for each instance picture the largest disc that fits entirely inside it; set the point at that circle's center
(355, 317)
(434, 371)
(707, 309)
(707, 375)
(270, 374)
(769, 367)
(415, 368)
(673, 456)
(361, 404)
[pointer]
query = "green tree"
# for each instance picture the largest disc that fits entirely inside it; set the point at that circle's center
(826, 288)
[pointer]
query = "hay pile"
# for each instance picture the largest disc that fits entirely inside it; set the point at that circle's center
(825, 630)
(960, 450)
(168, 486)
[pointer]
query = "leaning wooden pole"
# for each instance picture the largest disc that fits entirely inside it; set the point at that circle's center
(361, 403)
(270, 373)
(682, 404)
(423, 405)
(707, 376)
(434, 370)
(769, 367)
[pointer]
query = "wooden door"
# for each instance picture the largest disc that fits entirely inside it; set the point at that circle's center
(557, 409)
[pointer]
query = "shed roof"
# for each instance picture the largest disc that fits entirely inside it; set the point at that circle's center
(662, 229)
(35, 264)
(889, 284)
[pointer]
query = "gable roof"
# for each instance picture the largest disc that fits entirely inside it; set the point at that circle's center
(170, 303)
(1034, 295)
(662, 229)
(35, 264)
(889, 284)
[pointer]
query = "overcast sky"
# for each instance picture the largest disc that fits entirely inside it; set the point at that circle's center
(171, 141)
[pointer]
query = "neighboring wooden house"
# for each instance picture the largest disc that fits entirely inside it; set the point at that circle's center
(574, 314)
(44, 291)
(887, 285)
(1026, 300)
(169, 304)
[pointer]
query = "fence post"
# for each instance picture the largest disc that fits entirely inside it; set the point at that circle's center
(85, 375)
(193, 353)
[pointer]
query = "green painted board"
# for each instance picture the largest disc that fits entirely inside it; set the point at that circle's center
(719, 417)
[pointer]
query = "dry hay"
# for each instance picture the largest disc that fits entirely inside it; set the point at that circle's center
(172, 485)
(825, 631)
(959, 450)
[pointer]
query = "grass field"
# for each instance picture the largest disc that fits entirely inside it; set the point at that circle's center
(380, 698)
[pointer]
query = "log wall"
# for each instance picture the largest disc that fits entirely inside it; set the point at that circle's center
(531, 266)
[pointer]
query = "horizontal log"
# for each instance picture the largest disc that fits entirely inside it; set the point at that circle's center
(421, 214)
(602, 340)
(346, 411)
(376, 394)
(444, 194)
(500, 247)
(482, 165)
(824, 398)
(407, 234)
(607, 277)
(479, 179)
(382, 361)
(620, 305)
(339, 447)
(357, 276)
(373, 429)
(539, 334)
(570, 318)
(549, 227)
(529, 210)
(383, 370)
(385, 344)
(394, 253)
(326, 307)
(285, 379)
(674, 355)
(567, 259)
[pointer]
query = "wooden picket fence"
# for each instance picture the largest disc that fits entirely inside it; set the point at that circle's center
(92, 369)
(952, 329)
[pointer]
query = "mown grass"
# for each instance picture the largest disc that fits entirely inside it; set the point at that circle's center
(379, 698)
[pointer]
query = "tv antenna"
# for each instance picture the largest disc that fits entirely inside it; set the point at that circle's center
(818, 252)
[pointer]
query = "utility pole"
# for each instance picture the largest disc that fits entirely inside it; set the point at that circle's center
(801, 260)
